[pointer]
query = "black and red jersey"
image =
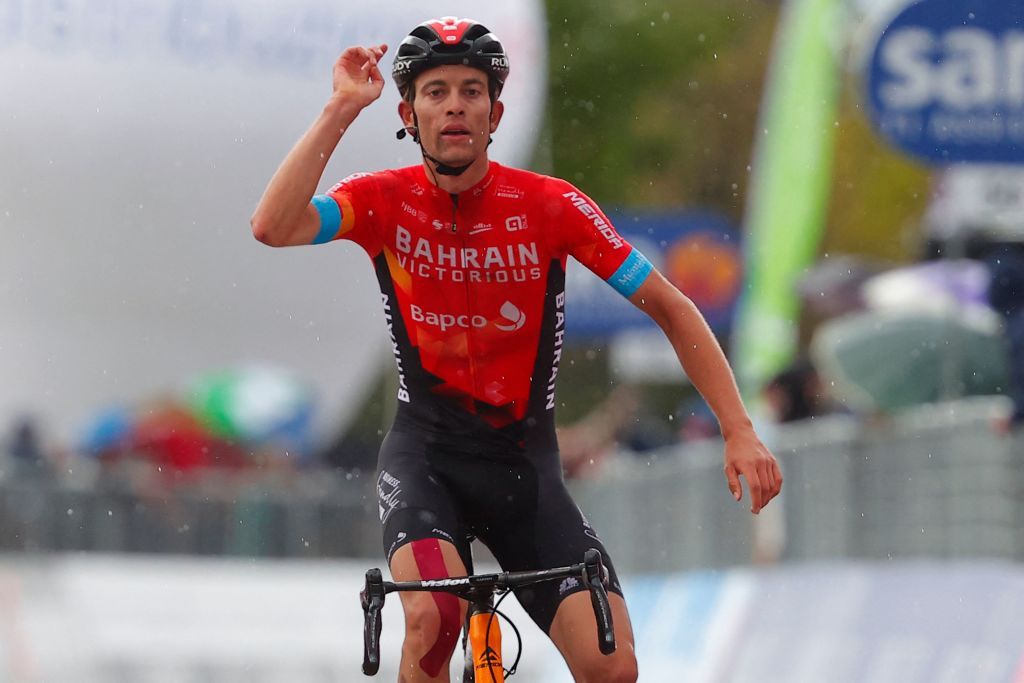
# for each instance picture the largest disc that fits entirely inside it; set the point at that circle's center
(473, 289)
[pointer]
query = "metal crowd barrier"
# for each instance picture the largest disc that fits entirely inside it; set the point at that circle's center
(936, 483)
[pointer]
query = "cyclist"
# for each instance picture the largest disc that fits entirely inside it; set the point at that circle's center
(470, 256)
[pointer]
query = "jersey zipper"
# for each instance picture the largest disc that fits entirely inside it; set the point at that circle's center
(470, 358)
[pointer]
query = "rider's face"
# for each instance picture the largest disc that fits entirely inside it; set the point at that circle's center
(454, 112)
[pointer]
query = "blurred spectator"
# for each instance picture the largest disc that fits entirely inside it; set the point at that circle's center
(696, 420)
(351, 452)
(1006, 295)
(586, 444)
(796, 393)
(24, 445)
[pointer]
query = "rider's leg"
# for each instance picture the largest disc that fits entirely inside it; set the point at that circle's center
(432, 620)
(574, 632)
(423, 538)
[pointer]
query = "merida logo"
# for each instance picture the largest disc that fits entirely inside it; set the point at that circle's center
(489, 659)
(595, 217)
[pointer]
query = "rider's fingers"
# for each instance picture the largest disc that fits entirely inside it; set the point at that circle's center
(354, 53)
(733, 479)
(756, 486)
(773, 486)
(375, 75)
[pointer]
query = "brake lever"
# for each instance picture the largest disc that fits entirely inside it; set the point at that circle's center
(595, 578)
(372, 600)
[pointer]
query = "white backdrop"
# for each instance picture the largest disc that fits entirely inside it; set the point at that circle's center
(136, 139)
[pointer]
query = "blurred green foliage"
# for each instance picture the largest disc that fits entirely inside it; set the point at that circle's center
(655, 103)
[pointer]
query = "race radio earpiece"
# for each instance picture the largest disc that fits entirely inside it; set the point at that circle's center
(408, 130)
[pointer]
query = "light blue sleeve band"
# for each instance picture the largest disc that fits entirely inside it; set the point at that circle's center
(631, 274)
(330, 218)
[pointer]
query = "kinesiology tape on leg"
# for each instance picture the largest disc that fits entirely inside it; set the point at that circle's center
(430, 563)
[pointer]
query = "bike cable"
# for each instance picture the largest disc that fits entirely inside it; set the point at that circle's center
(519, 639)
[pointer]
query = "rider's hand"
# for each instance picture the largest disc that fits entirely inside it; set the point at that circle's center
(745, 455)
(357, 78)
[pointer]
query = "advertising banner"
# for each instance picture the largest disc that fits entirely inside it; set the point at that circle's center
(696, 251)
(945, 82)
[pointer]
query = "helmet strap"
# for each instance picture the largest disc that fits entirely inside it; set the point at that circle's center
(439, 166)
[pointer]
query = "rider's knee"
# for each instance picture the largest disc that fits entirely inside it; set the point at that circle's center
(430, 626)
(618, 669)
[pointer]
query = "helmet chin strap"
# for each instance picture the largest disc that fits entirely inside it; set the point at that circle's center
(443, 168)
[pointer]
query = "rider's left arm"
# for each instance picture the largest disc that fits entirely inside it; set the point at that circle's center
(705, 364)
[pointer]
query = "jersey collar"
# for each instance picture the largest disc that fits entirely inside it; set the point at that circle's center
(475, 191)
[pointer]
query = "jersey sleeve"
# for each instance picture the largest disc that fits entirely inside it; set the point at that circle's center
(351, 210)
(585, 233)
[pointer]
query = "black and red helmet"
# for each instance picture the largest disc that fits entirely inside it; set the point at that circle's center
(449, 40)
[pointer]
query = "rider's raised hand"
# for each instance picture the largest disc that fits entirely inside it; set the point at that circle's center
(357, 77)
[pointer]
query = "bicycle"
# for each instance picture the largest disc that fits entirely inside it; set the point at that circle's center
(481, 634)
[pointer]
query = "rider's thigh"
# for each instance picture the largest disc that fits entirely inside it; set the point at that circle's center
(405, 565)
(574, 632)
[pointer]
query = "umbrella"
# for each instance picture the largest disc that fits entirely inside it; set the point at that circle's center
(886, 360)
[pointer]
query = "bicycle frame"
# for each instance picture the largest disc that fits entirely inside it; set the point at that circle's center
(483, 636)
(482, 629)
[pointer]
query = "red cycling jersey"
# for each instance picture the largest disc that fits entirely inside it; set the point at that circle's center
(473, 288)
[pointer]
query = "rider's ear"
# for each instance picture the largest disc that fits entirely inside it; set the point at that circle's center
(406, 112)
(497, 109)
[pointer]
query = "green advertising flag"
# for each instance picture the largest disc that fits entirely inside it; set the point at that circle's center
(789, 187)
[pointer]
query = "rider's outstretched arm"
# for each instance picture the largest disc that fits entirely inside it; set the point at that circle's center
(285, 216)
(705, 364)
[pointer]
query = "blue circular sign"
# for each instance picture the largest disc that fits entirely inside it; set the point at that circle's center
(946, 81)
